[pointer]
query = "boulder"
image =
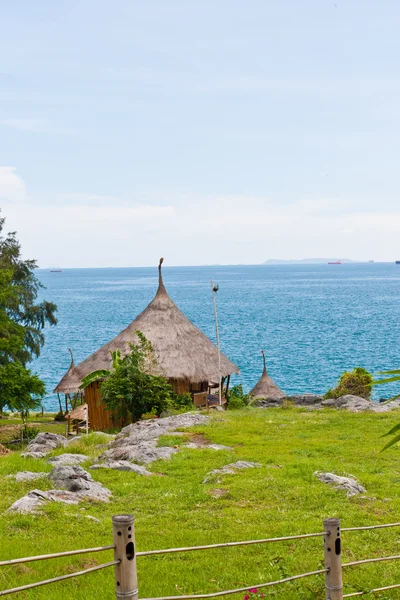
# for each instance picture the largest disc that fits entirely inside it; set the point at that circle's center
(80, 482)
(230, 469)
(43, 444)
(68, 459)
(349, 484)
(122, 465)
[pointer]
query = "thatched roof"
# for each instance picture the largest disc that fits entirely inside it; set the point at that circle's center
(266, 388)
(79, 413)
(70, 383)
(182, 351)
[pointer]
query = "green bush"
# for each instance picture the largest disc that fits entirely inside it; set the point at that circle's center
(357, 382)
(237, 398)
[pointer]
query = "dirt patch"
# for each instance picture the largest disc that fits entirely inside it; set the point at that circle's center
(4, 450)
(218, 493)
(199, 439)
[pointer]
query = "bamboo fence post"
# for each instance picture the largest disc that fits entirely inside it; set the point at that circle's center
(333, 560)
(126, 584)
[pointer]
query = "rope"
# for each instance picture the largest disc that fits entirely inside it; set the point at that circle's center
(381, 589)
(238, 590)
(369, 527)
(16, 561)
(228, 544)
(61, 578)
(370, 560)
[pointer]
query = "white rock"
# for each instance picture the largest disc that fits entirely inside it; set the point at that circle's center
(230, 469)
(350, 485)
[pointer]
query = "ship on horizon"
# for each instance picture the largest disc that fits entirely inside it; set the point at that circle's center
(335, 262)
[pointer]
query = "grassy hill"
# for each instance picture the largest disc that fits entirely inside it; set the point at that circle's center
(174, 508)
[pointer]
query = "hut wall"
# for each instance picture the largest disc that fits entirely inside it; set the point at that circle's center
(100, 418)
(179, 386)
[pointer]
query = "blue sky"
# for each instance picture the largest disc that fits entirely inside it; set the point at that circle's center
(207, 132)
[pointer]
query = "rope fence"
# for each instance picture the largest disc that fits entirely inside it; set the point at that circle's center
(125, 570)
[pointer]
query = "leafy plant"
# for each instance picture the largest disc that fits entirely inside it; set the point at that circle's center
(130, 390)
(357, 382)
(395, 377)
(237, 398)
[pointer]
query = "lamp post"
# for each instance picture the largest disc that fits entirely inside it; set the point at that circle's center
(214, 290)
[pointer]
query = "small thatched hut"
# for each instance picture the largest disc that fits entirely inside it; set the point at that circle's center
(185, 356)
(266, 388)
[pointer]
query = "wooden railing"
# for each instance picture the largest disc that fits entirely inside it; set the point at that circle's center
(125, 570)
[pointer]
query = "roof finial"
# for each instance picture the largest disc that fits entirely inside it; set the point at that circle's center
(265, 364)
(72, 359)
(161, 287)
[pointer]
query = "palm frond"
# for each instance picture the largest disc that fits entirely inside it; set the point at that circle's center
(391, 443)
(94, 376)
(388, 380)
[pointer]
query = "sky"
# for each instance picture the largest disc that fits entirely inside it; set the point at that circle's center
(206, 132)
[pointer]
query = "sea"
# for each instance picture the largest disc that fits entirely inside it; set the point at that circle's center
(312, 321)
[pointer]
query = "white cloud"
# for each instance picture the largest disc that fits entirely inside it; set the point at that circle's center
(36, 126)
(11, 185)
(83, 230)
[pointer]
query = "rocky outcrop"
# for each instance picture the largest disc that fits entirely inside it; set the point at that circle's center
(68, 459)
(348, 484)
(300, 400)
(43, 444)
(230, 469)
(347, 402)
(138, 442)
(80, 482)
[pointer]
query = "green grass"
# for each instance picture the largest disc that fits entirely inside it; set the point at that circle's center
(283, 497)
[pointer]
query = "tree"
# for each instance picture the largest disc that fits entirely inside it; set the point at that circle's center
(22, 320)
(357, 382)
(131, 390)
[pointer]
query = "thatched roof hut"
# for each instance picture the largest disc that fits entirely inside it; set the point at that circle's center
(70, 383)
(183, 352)
(266, 388)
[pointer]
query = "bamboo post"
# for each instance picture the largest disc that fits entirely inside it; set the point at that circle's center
(333, 560)
(126, 584)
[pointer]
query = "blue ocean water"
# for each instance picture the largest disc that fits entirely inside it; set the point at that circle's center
(313, 321)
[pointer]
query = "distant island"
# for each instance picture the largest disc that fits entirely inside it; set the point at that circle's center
(306, 261)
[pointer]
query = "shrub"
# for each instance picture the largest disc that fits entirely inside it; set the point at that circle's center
(357, 382)
(59, 416)
(237, 398)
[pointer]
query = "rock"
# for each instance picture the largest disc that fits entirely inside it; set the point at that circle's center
(68, 459)
(80, 482)
(298, 400)
(43, 444)
(28, 476)
(34, 500)
(138, 442)
(230, 469)
(122, 465)
(29, 504)
(145, 453)
(349, 484)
